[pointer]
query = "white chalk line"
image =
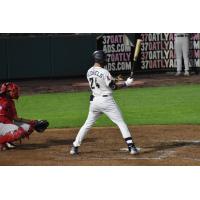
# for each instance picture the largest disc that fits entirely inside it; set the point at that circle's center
(193, 141)
(164, 154)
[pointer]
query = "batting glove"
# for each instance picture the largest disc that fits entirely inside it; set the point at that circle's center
(129, 81)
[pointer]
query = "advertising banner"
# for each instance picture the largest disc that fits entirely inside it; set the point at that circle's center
(119, 50)
(157, 51)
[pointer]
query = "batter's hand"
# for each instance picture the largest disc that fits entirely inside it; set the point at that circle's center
(129, 81)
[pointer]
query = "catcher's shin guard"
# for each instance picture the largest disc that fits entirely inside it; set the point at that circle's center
(12, 136)
(28, 130)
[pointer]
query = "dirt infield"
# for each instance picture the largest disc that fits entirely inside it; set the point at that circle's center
(160, 145)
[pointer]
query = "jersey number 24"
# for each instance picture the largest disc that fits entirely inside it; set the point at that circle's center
(94, 83)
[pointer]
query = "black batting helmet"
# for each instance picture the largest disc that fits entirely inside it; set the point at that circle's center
(99, 57)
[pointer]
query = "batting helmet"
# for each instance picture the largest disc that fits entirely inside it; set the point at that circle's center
(10, 89)
(99, 57)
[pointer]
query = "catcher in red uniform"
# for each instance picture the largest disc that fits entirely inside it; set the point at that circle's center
(12, 127)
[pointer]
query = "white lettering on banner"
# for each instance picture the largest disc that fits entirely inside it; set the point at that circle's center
(166, 44)
(171, 37)
(118, 57)
(124, 66)
(152, 37)
(105, 41)
(112, 48)
(195, 53)
(112, 39)
(171, 45)
(169, 54)
(197, 62)
(119, 51)
(171, 63)
(195, 36)
(157, 64)
(166, 54)
(196, 44)
(157, 51)
(109, 48)
(110, 66)
(155, 55)
(166, 36)
(119, 66)
(116, 39)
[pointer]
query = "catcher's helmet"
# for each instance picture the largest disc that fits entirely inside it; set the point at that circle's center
(10, 89)
(99, 57)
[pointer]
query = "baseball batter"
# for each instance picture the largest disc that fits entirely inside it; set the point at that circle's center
(102, 84)
(182, 51)
(12, 127)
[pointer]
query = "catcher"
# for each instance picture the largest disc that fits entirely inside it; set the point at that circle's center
(12, 127)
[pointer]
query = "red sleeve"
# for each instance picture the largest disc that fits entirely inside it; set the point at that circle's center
(3, 106)
(7, 110)
(12, 110)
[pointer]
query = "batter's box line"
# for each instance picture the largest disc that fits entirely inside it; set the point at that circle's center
(164, 154)
(192, 141)
(126, 158)
(193, 159)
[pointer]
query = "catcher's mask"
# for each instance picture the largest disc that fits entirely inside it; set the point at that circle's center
(99, 57)
(10, 89)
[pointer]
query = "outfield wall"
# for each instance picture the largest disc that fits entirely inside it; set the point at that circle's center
(40, 57)
(23, 57)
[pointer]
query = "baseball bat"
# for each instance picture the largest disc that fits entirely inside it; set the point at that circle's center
(135, 57)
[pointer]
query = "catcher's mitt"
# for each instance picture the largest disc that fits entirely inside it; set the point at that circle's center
(41, 125)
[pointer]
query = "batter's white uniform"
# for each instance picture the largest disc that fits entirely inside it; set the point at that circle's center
(103, 102)
(182, 51)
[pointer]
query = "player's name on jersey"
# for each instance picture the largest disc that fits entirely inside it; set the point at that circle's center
(158, 64)
(161, 45)
(112, 48)
(96, 73)
(155, 55)
(157, 36)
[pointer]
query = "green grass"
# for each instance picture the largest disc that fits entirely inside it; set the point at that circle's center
(160, 105)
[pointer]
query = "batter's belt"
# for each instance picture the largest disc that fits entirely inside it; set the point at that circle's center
(92, 96)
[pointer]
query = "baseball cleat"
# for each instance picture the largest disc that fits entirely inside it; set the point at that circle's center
(178, 74)
(10, 145)
(186, 74)
(74, 150)
(7, 146)
(133, 150)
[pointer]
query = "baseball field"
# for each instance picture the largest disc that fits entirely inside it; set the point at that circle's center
(164, 121)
